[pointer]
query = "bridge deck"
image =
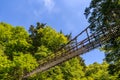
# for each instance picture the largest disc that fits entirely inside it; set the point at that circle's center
(78, 47)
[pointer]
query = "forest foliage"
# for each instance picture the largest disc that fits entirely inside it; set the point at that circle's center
(20, 50)
(20, 53)
(106, 13)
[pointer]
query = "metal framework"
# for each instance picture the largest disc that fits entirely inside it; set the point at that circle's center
(77, 47)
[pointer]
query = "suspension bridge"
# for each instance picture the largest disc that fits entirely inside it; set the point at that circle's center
(77, 46)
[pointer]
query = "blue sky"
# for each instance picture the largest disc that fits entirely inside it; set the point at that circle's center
(65, 15)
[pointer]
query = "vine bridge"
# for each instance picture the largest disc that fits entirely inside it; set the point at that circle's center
(82, 43)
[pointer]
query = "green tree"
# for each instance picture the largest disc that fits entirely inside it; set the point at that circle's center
(42, 52)
(5, 67)
(49, 41)
(13, 43)
(14, 39)
(106, 13)
(54, 73)
(45, 41)
(35, 37)
(73, 69)
(97, 71)
(69, 70)
(46, 36)
(5, 33)
(24, 63)
(16, 60)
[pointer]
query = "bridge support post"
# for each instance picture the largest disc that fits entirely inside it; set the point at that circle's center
(88, 37)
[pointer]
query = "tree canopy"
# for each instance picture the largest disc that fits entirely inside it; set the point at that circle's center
(106, 13)
(20, 52)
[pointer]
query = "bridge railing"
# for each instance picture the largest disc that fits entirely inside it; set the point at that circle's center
(88, 43)
(74, 44)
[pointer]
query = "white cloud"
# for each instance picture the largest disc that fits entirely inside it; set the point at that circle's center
(49, 4)
(41, 7)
